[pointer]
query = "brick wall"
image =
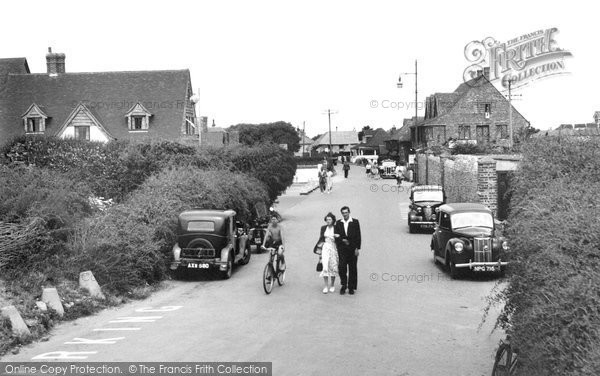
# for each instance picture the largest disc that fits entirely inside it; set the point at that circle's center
(487, 183)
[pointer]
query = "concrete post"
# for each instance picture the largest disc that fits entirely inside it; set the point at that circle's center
(89, 283)
(16, 321)
(51, 298)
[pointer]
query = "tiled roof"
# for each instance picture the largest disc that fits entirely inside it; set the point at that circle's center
(12, 65)
(400, 134)
(338, 138)
(379, 137)
(108, 95)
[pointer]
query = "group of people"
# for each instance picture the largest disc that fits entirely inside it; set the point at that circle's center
(338, 248)
(325, 179)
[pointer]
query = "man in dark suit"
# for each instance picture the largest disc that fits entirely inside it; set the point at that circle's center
(348, 245)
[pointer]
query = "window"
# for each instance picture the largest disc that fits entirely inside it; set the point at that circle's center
(444, 220)
(190, 128)
(82, 133)
(483, 134)
(502, 131)
(138, 123)
(464, 132)
(34, 125)
(429, 134)
(138, 118)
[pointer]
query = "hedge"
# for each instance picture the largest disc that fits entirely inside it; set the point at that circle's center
(130, 244)
(552, 300)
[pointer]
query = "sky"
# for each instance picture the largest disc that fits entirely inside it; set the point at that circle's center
(263, 61)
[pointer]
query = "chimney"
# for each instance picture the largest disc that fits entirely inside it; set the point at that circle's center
(55, 62)
(486, 72)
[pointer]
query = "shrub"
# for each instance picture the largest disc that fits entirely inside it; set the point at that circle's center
(552, 302)
(129, 245)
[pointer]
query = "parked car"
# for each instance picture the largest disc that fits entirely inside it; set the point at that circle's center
(210, 240)
(424, 200)
(465, 239)
(387, 169)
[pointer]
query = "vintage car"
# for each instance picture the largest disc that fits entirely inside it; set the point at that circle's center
(424, 200)
(465, 239)
(209, 240)
(387, 169)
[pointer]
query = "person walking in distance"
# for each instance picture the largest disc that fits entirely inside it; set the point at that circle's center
(346, 168)
(348, 245)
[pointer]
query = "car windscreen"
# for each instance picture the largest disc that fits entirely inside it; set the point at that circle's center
(428, 195)
(201, 226)
(475, 219)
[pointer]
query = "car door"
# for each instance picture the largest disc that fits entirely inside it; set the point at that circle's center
(444, 233)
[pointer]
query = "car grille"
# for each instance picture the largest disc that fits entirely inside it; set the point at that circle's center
(198, 252)
(427, 211)
(483, 249)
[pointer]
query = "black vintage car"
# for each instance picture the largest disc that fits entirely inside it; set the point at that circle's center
(424, 200)
(209, 240)
(464, 239)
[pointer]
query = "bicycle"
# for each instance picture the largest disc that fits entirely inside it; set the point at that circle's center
(505, 363)
(275, 269)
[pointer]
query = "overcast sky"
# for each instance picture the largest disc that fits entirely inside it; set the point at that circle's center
(262, 61)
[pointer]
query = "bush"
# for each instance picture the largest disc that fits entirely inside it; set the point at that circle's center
(552, 302)
(130, 244)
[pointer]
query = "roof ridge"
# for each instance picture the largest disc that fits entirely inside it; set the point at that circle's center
(106, 72)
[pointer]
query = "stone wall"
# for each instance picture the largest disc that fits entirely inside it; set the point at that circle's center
(466, 178)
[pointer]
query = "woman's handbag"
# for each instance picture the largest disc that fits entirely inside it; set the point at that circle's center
(318, 248)
(319, 266)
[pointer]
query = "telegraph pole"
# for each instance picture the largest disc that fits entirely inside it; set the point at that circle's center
(303, 135)
(510, 118)
(329, 113)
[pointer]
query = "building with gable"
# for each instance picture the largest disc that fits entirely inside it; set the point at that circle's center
(95, 106)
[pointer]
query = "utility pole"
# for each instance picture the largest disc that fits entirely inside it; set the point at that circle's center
(303, 135)
(400, 84)
(510, 118)
(329, 113)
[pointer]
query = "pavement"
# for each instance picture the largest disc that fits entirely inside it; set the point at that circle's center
(408, 317)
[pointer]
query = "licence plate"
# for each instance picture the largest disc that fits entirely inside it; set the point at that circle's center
(485, 268)
(193, 265)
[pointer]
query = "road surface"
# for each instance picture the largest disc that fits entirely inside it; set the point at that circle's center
(407, 317)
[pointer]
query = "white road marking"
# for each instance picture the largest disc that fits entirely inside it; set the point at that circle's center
(161, 309)
(135, 319)
(115, 329)
(65, 355)
(85, 341)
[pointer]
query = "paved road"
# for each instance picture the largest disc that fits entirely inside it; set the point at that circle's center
(407, 317)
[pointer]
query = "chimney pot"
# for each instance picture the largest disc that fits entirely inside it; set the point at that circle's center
(486, 72)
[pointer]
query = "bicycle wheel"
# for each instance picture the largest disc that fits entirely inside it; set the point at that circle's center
(268, 278)
(505, 362)
(281, 274)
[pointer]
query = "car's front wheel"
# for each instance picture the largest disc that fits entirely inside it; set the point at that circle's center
(454, 271)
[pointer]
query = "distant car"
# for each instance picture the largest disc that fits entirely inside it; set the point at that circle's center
(387, 169)
(465, 239)
(424, 200)
(209, 240)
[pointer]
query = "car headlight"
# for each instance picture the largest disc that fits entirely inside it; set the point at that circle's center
(458, 247)
(419, 209)
(176, 252)
(505, 245)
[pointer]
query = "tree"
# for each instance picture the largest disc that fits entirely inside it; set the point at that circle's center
(280, 132)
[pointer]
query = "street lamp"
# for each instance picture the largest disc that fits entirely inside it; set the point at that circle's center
(400, 84)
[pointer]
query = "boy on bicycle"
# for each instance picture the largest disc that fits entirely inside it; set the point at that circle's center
(274, 238)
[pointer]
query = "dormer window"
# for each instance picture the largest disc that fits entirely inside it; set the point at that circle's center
(138, 118)
(34, 120)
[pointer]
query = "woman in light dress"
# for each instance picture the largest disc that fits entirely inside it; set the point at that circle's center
(329, 255)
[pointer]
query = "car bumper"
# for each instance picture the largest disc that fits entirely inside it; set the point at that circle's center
(483, 266)
(198, 264)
